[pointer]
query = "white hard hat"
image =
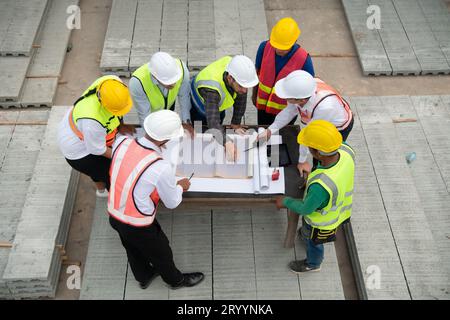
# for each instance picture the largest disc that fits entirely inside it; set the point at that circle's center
(242, 69)
(298, 84)
(164, 68)
(163, 125)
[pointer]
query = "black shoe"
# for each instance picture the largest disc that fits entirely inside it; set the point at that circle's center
(144, 285)
(189, 280)
(300, 266)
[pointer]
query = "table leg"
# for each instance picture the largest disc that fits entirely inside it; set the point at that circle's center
(291, 229)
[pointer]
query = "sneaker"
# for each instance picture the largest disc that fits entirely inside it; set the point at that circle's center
(144, 285)
(102, 194)
(300, 266)
(189, 280)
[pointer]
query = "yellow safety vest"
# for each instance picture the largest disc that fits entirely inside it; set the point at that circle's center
(212, 77)
(154, 95)
(89, 107)
(338, 181)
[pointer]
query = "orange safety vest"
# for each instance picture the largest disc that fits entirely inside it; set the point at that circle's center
(267, 99)
(129, 162)
(324, 91)
(110, 137)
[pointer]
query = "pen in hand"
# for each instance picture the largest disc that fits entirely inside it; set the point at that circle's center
(191, 176)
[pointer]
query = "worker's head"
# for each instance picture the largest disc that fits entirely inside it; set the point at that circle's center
(115, 97)
(284, 35)
(162, 126)
(165, 69)
(322, 138)
(241, 74)
(296, 88)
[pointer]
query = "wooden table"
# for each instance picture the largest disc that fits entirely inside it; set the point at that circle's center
(292, 183)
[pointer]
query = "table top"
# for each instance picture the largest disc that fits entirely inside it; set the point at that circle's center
(291, 175)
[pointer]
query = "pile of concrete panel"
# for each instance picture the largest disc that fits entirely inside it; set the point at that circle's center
(411, 37)
(195, 31)
(37, 35)
(31, 267)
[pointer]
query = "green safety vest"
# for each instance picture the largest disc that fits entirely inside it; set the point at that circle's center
(89, 107)
(154, 95)
(212, 77)
(338, 181)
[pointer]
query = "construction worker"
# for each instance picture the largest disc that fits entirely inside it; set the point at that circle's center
(275, 59)
(88, 130)
(329, 192)
(312, 99)
(140, 178)
(157, 84)
(221, 85)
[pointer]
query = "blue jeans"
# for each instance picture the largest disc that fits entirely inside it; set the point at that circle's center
(314, 252)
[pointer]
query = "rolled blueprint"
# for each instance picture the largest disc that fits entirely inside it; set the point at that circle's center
(255, 156)
(263, 164)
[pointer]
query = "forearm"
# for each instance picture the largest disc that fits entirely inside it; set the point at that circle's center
(239, 108)
(283, 118)
(303, 153)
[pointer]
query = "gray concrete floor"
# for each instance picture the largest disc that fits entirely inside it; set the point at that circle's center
(325, 35)
(325, 32)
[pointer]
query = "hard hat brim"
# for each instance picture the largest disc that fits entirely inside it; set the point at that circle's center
(170, 81)
(176, 135)
(252, 84)
(280, 46)
(281, 92)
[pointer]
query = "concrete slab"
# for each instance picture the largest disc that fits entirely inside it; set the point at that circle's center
(38, 92)
(49, 57)
(119, 35)
(369, 216)
(273, 279)
(371, 52)
(227, 28)
(395, 41)
(12, 77)
(426, 48)
(201, 44)
(105, 271)
(145, 42)
(23, 27)
(174, 29)
(405, 213)
(232, 241)
(253, 24)
(438, 17)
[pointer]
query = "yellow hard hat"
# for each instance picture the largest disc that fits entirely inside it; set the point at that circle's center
(284, 34)
(320, 135)
(115, 97)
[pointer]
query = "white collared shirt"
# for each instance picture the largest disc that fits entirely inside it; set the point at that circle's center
(160, 176)
(330, 109)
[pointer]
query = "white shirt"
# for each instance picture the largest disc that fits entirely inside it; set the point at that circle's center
(143, 106)
(160, 176)
(72, 147)
(329, 109)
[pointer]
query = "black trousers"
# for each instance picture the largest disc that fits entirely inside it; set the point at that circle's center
(96, 167)
(266, 119)
(148, 251)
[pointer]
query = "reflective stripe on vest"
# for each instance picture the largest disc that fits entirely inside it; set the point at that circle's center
(152, 91)
(211, 77)
(266, 98)
(129, 162)
(338, 181)
(89, 107)
(324, 91)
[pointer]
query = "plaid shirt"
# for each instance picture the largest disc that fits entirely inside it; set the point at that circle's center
(212, 100)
